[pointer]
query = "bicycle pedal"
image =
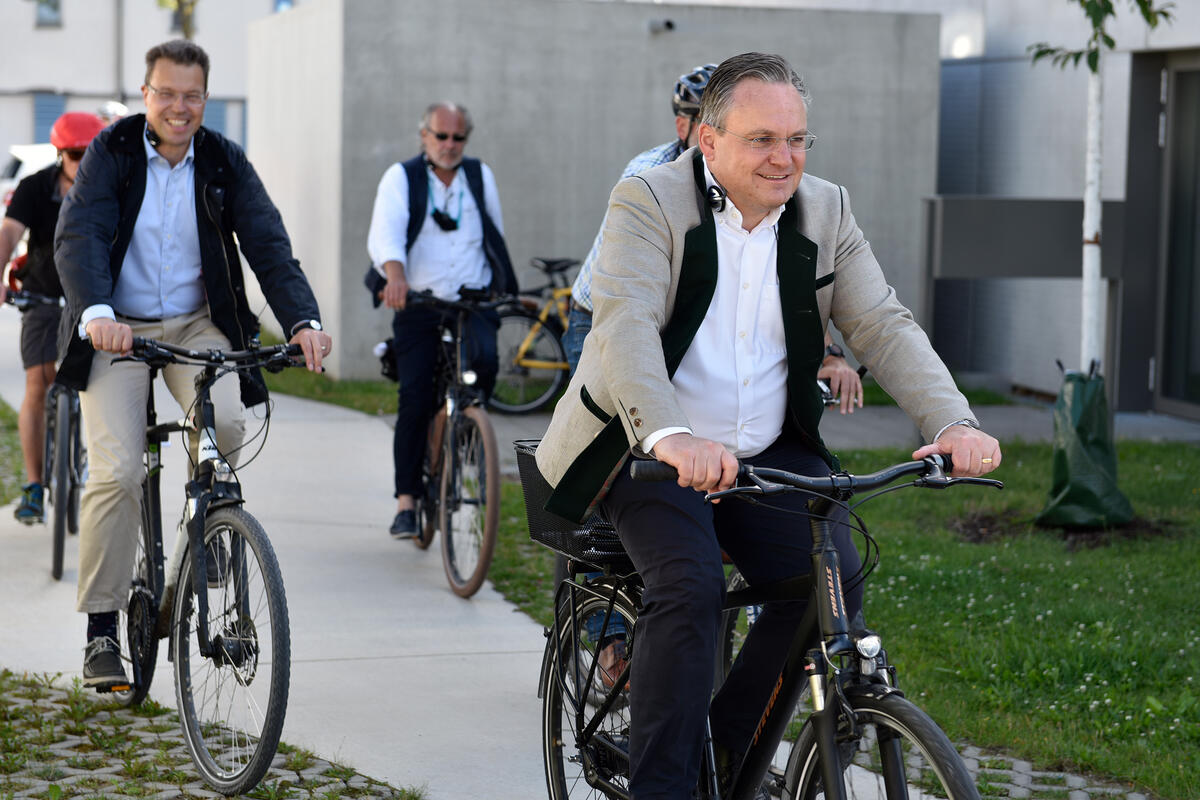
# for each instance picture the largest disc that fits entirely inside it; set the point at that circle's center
(116, 687)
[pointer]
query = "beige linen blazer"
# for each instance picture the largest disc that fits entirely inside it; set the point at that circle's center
(622, 372)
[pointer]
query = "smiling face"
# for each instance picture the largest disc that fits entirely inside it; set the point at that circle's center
(757, 181)
(174, 96)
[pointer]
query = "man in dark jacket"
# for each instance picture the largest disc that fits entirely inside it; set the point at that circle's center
(145, 246)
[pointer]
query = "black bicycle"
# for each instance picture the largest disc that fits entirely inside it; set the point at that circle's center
(460, 470)
(64, 454)
(220, 601)
(861, 737)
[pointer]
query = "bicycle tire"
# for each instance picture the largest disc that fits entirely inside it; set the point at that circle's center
(427, 505)
(565, 671)
(232, 713)
(135, 629)
(50, 418)
(523, 389)
(79, 464)
(61, 494)
(469, 501)
(926, 764)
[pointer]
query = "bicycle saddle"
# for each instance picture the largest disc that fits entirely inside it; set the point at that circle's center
(552, 265)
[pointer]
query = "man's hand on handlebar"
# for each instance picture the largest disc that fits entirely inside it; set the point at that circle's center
(109, 336)
(844, 383)
(973, 452)
(702, 464)
(315, 345)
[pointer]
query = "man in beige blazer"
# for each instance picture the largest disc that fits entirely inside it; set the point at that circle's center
(711, 293)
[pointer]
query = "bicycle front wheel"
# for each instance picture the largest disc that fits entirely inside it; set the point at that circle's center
(897, 751)
(533, 364)
(60, 493)
(581, 674)
(137, 621)
(79, 465)
(232, 702)
(470, 500)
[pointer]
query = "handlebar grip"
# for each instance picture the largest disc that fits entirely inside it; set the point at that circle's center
(647, 470)
(944, 460)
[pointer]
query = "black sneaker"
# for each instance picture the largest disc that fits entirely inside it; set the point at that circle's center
(216, 563)
(404, 526)
(102, 668)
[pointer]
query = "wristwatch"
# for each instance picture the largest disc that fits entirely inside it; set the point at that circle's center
(315, 324)
(834, 350)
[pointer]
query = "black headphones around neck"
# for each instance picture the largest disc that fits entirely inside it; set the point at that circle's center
(716, 197)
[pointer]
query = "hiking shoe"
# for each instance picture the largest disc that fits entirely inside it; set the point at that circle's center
(31, 509)
(102, 668)
(216, 563)
(404, 526)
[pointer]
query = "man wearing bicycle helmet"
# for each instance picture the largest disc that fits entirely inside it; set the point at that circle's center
(34, 207)
(436, 226)
(842, 379)
(712, 290)
(146, 247)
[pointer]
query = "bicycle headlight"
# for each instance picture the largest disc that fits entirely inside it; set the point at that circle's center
(469, 377)
(869, 646)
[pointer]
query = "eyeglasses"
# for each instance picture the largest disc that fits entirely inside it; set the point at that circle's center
(442, 136)
(797, 144)
(74, 154)
(169, 96)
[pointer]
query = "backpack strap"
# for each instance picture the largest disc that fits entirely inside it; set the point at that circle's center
(418, 194)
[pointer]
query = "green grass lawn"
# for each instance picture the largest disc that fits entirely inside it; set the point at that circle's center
(1077, 654)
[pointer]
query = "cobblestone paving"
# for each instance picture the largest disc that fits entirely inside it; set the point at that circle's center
(58, 743)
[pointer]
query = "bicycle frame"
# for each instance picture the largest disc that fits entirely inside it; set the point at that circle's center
(213, 485)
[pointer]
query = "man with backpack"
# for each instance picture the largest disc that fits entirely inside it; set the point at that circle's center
(436, 227)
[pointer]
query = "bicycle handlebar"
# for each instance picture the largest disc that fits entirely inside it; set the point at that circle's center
(472, 299)
(24, 299)
(933, 471)
(156, 353)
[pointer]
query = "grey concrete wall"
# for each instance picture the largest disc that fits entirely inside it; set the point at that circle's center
(563, 94)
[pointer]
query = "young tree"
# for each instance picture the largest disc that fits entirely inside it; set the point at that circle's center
(186, 9)
(1098, 13)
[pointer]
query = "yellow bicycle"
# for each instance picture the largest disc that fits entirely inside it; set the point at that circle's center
(533, 364)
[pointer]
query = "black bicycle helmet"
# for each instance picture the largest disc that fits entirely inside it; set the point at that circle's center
(689, 89)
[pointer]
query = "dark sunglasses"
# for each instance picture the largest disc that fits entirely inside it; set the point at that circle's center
(442, 136)
(74, 155)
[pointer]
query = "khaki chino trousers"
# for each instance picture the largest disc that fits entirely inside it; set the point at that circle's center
(114, 414)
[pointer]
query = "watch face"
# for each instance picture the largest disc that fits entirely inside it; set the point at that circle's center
(316, 326)
(834, 350)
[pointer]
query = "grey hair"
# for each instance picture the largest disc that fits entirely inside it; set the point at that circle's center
(718, 97)
(455, 107)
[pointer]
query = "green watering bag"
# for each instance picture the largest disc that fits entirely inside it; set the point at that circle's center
(1084, 490)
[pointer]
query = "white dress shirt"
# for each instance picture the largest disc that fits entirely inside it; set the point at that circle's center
(441, 261)
(160, 276)
(732, 381)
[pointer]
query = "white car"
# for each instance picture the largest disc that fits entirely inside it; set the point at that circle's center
(25, 159)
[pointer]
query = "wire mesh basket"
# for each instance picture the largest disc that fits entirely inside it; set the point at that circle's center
(594, 541)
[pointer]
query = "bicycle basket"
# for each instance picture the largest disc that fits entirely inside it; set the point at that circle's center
(594, 542)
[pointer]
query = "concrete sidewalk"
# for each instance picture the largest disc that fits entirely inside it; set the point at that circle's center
(391, 673)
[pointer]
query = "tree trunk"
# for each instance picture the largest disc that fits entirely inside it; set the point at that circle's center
(1092, 339)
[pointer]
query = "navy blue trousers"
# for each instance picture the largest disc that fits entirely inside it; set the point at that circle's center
(417, 339)
(675, 541)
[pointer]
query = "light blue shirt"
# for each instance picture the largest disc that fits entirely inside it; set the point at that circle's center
(581, 290)
(160, 276)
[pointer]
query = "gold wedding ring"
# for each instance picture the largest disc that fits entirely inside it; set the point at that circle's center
(985, 460)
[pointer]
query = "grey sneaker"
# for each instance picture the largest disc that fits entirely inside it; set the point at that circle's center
(102, 668)
(404, 526)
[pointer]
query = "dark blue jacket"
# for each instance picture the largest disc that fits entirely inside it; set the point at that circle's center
(96, 224)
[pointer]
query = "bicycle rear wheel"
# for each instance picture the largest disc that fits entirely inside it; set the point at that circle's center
(232, 704)
(139, 643)
(572, 681)
(533, 364)
(897, 752)
(60, 491)
(470, 500)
